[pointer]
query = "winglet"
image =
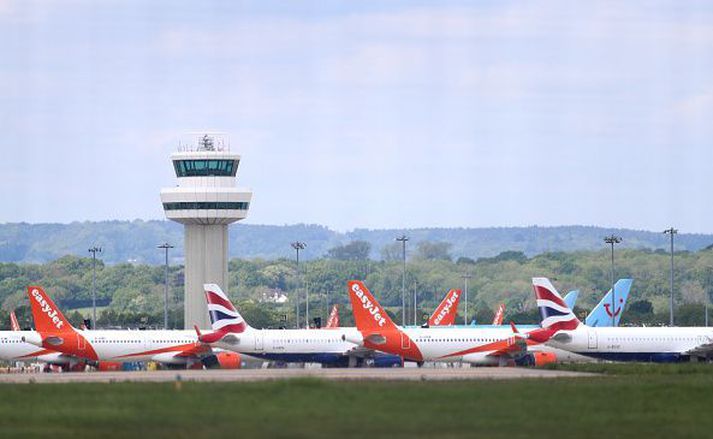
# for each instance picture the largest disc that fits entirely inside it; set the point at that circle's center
(514, 328)
(445, 313)
(14, 325)
(46, 314)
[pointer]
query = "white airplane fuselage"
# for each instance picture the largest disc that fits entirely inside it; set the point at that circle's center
(663, 344)
(164, 346)
(12, 348)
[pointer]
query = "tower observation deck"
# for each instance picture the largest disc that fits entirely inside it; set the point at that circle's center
(205, 201)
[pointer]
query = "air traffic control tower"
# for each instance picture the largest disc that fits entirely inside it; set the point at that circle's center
(205, 201)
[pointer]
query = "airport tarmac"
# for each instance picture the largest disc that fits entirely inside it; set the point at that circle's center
(247, 375)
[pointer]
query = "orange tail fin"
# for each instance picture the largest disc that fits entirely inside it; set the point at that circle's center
(499, 314)
(445, 314)
(368, 314)
(47, 316)
(14, 325)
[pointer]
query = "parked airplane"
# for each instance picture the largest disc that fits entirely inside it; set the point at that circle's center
(13, 348)
(657, 344)
(328, 347)
(491, 346)
(53, 331)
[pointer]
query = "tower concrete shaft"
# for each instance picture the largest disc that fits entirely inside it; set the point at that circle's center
(205, 201)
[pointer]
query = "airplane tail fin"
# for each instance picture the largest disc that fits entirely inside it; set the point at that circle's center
(14, 324)
(498, 319)
(368, 314)
(445, 313)
(601, 315)
(556, 315)
(47, 316)
(333, 320)
(223, 315)
(571, 298)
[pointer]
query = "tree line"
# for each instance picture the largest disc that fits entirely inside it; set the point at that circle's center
(266, 289)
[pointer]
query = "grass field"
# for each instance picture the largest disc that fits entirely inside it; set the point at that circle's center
(627, 401)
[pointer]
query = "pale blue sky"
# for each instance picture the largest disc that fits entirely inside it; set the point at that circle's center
(365, 114)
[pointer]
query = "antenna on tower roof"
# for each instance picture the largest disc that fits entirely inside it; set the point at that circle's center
(206, 143)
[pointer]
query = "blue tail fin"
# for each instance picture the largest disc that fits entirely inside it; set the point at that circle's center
(601, 315)
(571, 298)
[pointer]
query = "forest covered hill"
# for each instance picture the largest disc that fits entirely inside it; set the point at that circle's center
(135, 241)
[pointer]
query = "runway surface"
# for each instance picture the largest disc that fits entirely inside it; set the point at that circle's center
(247, 375)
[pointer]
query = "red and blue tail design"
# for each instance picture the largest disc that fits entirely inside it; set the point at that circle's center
(556, 315)
(14, 325)
(223, 315)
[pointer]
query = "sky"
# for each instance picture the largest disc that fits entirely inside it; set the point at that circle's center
(365, 114)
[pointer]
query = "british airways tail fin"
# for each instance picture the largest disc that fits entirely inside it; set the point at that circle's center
(556, 315)
(224, 317)
(601, 315)
(571, 299)
(333, 320)
(14, 325)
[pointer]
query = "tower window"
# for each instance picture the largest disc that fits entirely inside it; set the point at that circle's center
(201, 205)
(205, 168)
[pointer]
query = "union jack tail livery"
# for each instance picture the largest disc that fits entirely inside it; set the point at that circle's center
(556, 315)
(445, 314)
(224, 317)
(14, 325)
(498, 319)
(333, 320)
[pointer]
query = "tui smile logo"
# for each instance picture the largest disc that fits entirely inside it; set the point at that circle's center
(617, 311)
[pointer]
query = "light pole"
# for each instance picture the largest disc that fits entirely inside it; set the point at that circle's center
(415, 323)
(465, 277)
(94, 250)
(612, 240)
(671, 232)
(298, 245)
(403, 239)
(165, 246)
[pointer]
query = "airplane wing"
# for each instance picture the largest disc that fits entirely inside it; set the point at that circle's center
(514, 347)
(703, 350)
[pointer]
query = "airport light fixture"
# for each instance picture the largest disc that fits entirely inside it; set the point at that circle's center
(94, 250)
(165, 246)
(671, 231)
(612, 240)
(415, 299)
(403, 239)
(465, 277)
(298, 245)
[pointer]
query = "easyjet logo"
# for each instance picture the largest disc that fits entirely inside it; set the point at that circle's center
(447, 307)
(370, 307)
(47, 309)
